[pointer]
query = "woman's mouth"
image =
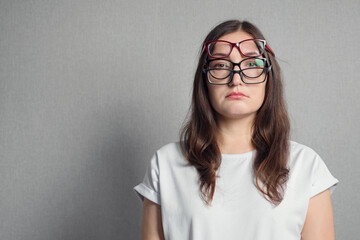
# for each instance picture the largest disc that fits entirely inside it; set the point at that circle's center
(236, 95)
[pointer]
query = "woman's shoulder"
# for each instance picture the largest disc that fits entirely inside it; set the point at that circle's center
(303, 155)
(296, 147)
(170, 152)
(170, 148)
(306, 166)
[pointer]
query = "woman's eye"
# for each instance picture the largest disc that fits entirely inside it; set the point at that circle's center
(222, 65)
(255, 63)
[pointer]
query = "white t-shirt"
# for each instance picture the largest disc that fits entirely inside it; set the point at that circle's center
(238, 210)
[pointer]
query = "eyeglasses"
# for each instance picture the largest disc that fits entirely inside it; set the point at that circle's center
(252, 70)
(247, 48)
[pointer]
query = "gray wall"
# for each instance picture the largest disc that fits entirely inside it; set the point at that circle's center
(90, 89)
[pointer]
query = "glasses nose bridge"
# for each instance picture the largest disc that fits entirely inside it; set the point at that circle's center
(236, 64)
(237, 45)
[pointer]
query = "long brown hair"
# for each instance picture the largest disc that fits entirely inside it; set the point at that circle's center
(270, 130)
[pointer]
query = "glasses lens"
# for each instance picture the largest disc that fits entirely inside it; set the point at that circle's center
(252, 47)
(253, 69)
(219, 71)
(219, 49)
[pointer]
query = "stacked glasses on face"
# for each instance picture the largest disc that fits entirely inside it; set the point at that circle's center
(253, 68)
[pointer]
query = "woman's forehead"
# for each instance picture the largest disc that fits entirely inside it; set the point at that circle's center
(236, 36)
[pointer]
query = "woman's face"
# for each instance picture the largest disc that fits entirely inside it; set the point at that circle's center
(236, 107)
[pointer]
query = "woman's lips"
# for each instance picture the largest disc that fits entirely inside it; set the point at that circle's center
(236, 95)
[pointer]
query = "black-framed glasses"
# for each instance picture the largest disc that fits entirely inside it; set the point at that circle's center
(248, 48)
(252, 70)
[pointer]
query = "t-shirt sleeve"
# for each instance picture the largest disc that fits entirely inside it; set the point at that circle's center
(150, 187)
(322, 179)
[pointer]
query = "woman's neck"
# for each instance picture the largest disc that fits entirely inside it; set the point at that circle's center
(234, 135)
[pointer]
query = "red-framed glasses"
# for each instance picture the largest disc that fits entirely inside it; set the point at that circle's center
(248, 48)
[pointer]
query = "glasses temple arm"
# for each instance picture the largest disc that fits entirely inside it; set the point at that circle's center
(269, 49)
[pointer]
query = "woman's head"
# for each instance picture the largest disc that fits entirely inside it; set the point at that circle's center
(241, 94)
(215, 96)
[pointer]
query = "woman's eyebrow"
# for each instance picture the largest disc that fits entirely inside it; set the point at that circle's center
(252, 53)
(219, 54)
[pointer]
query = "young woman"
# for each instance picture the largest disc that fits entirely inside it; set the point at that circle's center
(235, 174)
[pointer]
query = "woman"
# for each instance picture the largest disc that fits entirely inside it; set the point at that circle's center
(235, 174)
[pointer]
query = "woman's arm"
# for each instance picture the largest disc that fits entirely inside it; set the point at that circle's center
(151, 221)
(319, 222)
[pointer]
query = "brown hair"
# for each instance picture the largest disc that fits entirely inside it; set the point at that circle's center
(270, 130)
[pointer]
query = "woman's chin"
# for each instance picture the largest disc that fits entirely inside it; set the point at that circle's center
(237, 115)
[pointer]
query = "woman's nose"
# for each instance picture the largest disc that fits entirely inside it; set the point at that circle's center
(236, 80)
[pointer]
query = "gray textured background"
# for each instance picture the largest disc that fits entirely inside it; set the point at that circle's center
(90, 89)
